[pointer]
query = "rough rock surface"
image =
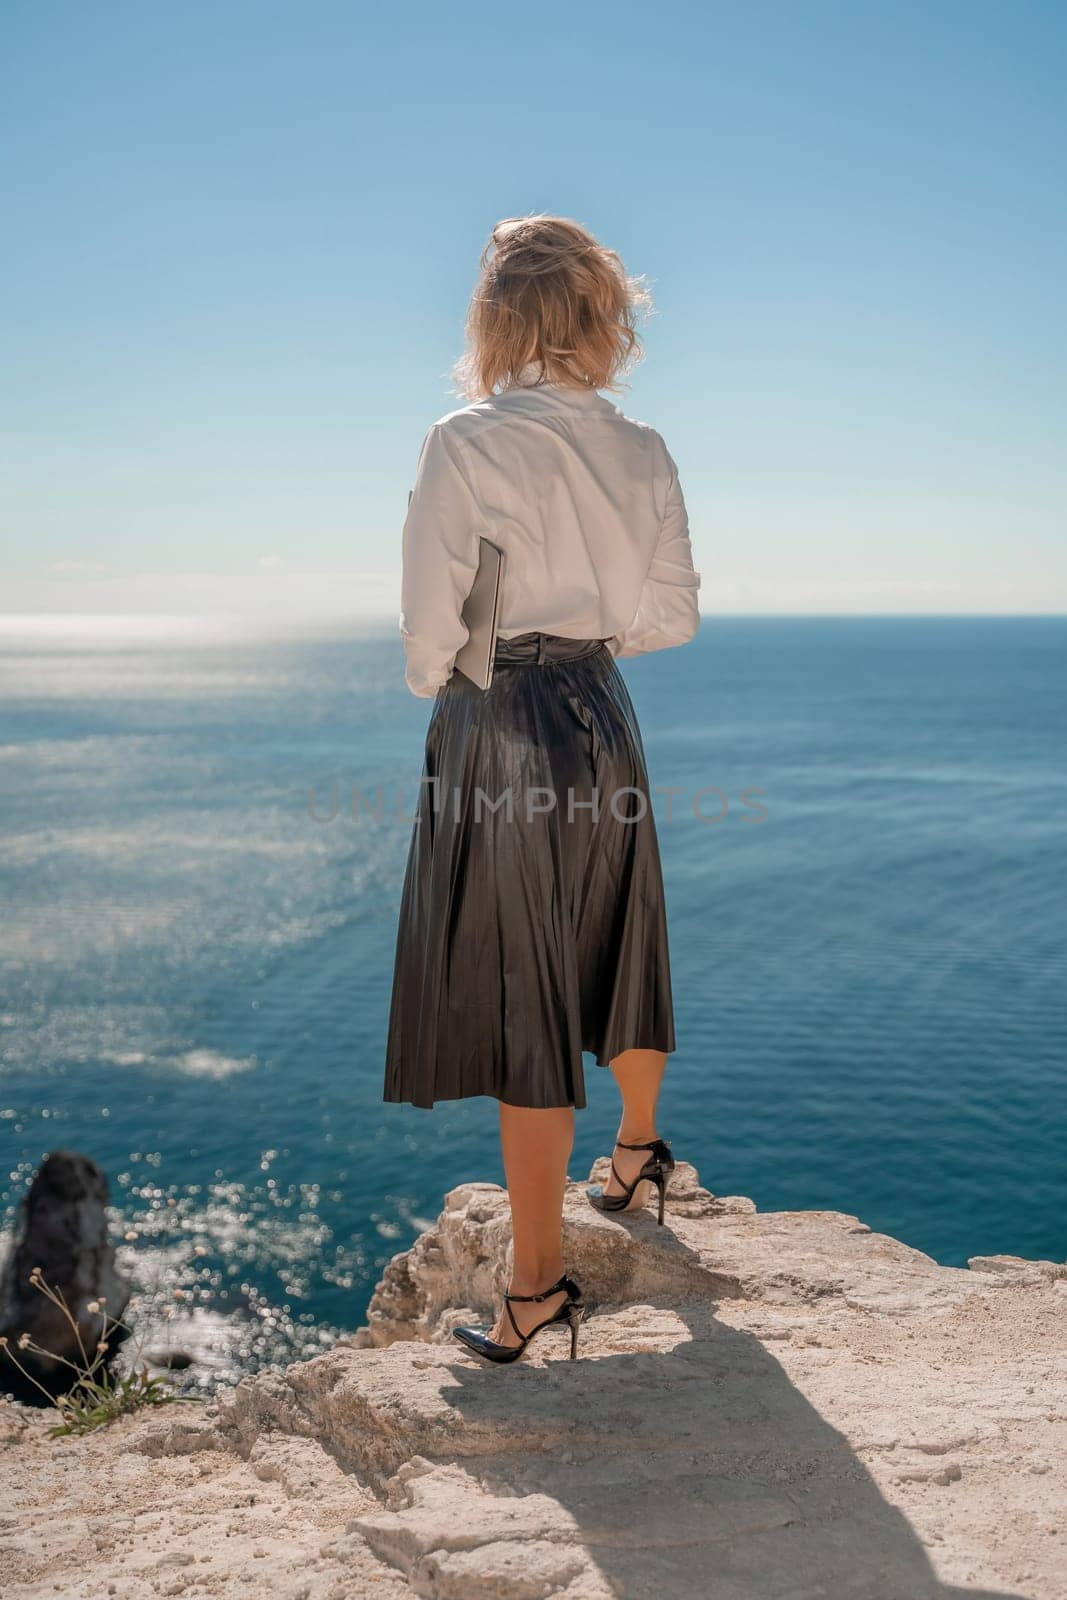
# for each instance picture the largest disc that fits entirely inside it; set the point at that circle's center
(765, 1405)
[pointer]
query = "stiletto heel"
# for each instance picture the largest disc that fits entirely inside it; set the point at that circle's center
(576, 1315)
(571, 1312)
(656, 1172)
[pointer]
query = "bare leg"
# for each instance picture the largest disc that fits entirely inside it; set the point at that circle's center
(638, 1074)
(536, 1145)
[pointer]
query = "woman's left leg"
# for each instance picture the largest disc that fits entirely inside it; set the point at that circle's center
(536, 1145)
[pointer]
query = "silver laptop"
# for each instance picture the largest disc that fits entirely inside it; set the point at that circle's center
(481, 614)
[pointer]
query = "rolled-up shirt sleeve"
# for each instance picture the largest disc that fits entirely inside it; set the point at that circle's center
(668, 612)
(440, 560)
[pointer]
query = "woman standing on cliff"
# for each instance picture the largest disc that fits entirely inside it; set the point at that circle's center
(532, 920)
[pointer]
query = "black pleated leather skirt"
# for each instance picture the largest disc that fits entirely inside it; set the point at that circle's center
(532, 920)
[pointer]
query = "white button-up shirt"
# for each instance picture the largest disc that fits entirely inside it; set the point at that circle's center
(585, 503)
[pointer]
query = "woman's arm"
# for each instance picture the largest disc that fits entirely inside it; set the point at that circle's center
(440, 560)
(667, 613)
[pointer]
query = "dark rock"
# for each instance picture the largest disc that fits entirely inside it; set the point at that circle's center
(173, 1360)
(62, 1230)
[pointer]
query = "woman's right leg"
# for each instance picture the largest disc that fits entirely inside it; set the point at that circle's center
(638, 1074)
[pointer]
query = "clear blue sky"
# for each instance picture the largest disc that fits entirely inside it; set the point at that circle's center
(241, 239)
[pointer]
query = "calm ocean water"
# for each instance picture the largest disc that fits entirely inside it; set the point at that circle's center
(195, 961)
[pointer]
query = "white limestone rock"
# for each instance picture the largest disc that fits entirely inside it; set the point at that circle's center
(766, 1406)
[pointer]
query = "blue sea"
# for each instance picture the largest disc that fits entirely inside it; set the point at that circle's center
(204, 835)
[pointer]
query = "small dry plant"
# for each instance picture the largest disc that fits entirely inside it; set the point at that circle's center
(96, 1395)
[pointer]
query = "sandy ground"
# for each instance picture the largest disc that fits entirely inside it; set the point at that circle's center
(96, 1517)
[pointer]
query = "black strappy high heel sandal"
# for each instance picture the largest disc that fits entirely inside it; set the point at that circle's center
(571, 1311)
(656, 1171)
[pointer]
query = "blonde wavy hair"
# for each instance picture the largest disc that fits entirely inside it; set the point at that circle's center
(551, 293)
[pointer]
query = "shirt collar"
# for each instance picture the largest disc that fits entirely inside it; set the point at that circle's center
(527, 378)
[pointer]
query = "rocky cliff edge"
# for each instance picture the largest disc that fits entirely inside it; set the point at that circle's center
(767, 1406)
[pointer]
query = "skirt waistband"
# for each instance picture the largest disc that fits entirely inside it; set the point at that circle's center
(538, 649)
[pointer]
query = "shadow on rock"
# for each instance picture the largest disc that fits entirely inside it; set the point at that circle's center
(677, 1455)
(699, 1471)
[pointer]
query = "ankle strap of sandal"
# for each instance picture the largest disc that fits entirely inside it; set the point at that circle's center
(652, 1146)
(562, 1283)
